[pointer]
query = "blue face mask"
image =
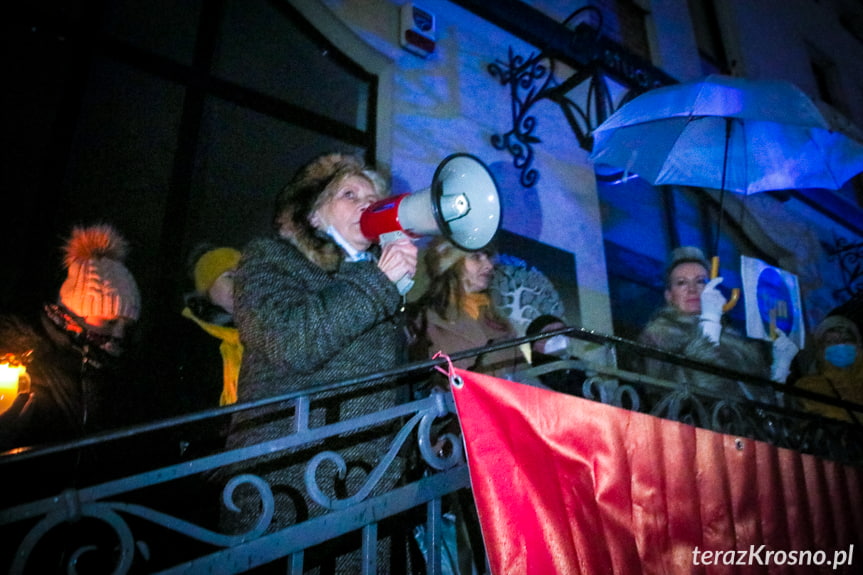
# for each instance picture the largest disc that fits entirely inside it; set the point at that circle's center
(841, 355)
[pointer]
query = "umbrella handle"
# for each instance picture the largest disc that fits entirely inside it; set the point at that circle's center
(732, 301)
(735, 292)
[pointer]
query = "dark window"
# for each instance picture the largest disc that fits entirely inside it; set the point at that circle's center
(708, 37)
(179, 122)
(624, 22)
(826, 81)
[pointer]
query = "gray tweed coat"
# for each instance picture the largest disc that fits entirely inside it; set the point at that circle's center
(303, 325)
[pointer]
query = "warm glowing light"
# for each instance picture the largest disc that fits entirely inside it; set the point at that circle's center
(9, 376)
(13, 380)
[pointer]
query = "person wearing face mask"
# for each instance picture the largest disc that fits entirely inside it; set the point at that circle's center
(554, 349)
(316, 303)
(76, 346)
(691, 324)
(839, 363)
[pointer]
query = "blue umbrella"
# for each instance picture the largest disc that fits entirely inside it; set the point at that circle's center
(727, 133)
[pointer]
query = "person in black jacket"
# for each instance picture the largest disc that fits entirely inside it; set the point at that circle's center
(566, 379)
(75, 346)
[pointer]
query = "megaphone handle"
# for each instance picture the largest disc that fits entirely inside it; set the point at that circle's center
(406, 282)
(390, 237)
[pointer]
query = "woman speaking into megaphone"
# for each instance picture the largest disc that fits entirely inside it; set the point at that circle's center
(315, 303)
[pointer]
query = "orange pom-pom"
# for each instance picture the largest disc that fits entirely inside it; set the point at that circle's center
(98, 241)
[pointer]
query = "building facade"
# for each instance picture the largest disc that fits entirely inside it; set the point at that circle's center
(181, 121)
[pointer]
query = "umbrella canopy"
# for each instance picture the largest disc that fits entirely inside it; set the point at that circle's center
(728, 133)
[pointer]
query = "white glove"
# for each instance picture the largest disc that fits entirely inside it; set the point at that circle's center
(712, 302)
(784, 351)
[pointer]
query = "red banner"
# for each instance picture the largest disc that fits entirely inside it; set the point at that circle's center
(567, 485)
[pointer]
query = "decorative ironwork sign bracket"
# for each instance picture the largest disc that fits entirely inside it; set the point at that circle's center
(592, 59)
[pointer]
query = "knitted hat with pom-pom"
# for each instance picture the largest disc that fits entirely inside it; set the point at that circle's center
(98, 284)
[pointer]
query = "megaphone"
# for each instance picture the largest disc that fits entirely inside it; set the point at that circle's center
(462, 204)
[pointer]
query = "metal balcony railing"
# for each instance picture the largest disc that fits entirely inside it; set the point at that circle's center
(146, 499)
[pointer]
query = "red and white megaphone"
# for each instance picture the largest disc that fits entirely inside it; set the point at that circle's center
(462, 204)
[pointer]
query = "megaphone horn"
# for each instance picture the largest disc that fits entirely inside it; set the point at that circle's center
(462, 204)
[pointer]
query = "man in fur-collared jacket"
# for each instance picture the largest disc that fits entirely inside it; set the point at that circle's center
(691, 325)
(314, 306)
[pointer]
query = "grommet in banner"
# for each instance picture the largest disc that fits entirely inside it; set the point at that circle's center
(738, 443)
(454, 380)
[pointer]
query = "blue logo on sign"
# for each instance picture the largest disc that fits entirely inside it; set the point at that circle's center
(774, 298)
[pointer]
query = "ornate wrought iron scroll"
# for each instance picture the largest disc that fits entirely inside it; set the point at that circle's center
(593, 59)
(850, 258)
(119, 522)
(118, 527)
(522, 75)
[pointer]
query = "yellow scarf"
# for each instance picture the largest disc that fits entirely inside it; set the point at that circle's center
(232, 355)
(472, 303)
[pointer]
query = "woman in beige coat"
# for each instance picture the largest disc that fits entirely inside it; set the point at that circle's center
(456, 312)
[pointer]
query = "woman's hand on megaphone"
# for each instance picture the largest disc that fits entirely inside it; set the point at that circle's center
(398, 259)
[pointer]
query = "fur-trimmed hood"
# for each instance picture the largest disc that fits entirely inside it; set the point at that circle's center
(312, 185)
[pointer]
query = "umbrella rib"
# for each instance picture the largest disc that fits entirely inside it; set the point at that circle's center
(827, 168)
(728, 122)
(691, 117)
(745, 155)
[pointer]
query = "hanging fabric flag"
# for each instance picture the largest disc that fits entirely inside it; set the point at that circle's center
(567, 485)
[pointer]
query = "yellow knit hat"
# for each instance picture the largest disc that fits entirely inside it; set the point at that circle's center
(836, 322)
(212, 264)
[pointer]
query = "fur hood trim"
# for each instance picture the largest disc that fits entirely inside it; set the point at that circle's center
(311, 185)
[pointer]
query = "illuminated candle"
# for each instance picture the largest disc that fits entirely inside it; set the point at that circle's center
(13, 379)
(9, 376)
